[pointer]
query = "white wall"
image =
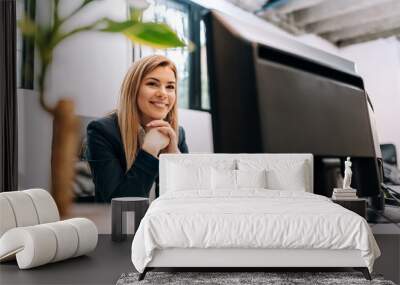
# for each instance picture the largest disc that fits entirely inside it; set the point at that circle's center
(378, 62)
(198, 130)
(34, 142)
(89, 67)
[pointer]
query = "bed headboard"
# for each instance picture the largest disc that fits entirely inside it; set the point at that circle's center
(231, 160)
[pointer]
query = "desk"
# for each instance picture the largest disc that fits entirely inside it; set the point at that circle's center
(388, 238)
(102, 266)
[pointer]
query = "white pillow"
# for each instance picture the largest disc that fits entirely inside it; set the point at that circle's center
(236, 179)
(290, 179)
(223, 179)
(280, 174)
(183, 178)
(251, 178)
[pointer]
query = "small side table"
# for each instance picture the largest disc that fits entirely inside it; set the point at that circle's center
(356, 205)
(138, 205)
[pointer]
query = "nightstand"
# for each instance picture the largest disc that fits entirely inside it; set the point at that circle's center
(119, 206)
(356, 205)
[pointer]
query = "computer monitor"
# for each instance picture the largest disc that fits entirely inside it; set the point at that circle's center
(268, 99)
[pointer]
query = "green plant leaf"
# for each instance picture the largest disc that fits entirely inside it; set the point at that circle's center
(156, 35)
(116, 27)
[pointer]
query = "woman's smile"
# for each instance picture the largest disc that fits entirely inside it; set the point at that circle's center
(160, 105)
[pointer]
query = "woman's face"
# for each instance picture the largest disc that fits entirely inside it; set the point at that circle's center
(157, 94)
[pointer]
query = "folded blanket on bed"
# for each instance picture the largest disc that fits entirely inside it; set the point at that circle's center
(250, 218)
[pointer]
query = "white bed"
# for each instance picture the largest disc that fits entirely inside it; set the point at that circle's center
(199, 224)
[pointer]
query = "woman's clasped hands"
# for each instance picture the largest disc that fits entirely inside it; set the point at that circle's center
(160, 137)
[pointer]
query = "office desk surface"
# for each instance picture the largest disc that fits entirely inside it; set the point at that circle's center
(102, 266)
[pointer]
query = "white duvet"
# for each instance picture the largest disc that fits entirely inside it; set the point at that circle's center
(251, 218)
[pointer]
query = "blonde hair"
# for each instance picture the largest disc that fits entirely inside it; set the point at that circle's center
(127, 110)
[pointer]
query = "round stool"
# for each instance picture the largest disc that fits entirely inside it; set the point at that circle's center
(119, 206)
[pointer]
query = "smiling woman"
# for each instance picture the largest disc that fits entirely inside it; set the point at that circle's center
(123, 148)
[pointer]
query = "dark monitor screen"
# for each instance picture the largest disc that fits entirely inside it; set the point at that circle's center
(301, 112)
(266, 100)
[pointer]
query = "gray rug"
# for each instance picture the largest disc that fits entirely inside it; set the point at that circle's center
(229, 278)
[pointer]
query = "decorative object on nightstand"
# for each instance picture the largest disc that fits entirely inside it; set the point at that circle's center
(346, 192)
(119, 206)
(347, 196)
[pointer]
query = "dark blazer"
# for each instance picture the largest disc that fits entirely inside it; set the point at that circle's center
(106, 156)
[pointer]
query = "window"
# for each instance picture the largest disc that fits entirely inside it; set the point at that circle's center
(183, 17)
